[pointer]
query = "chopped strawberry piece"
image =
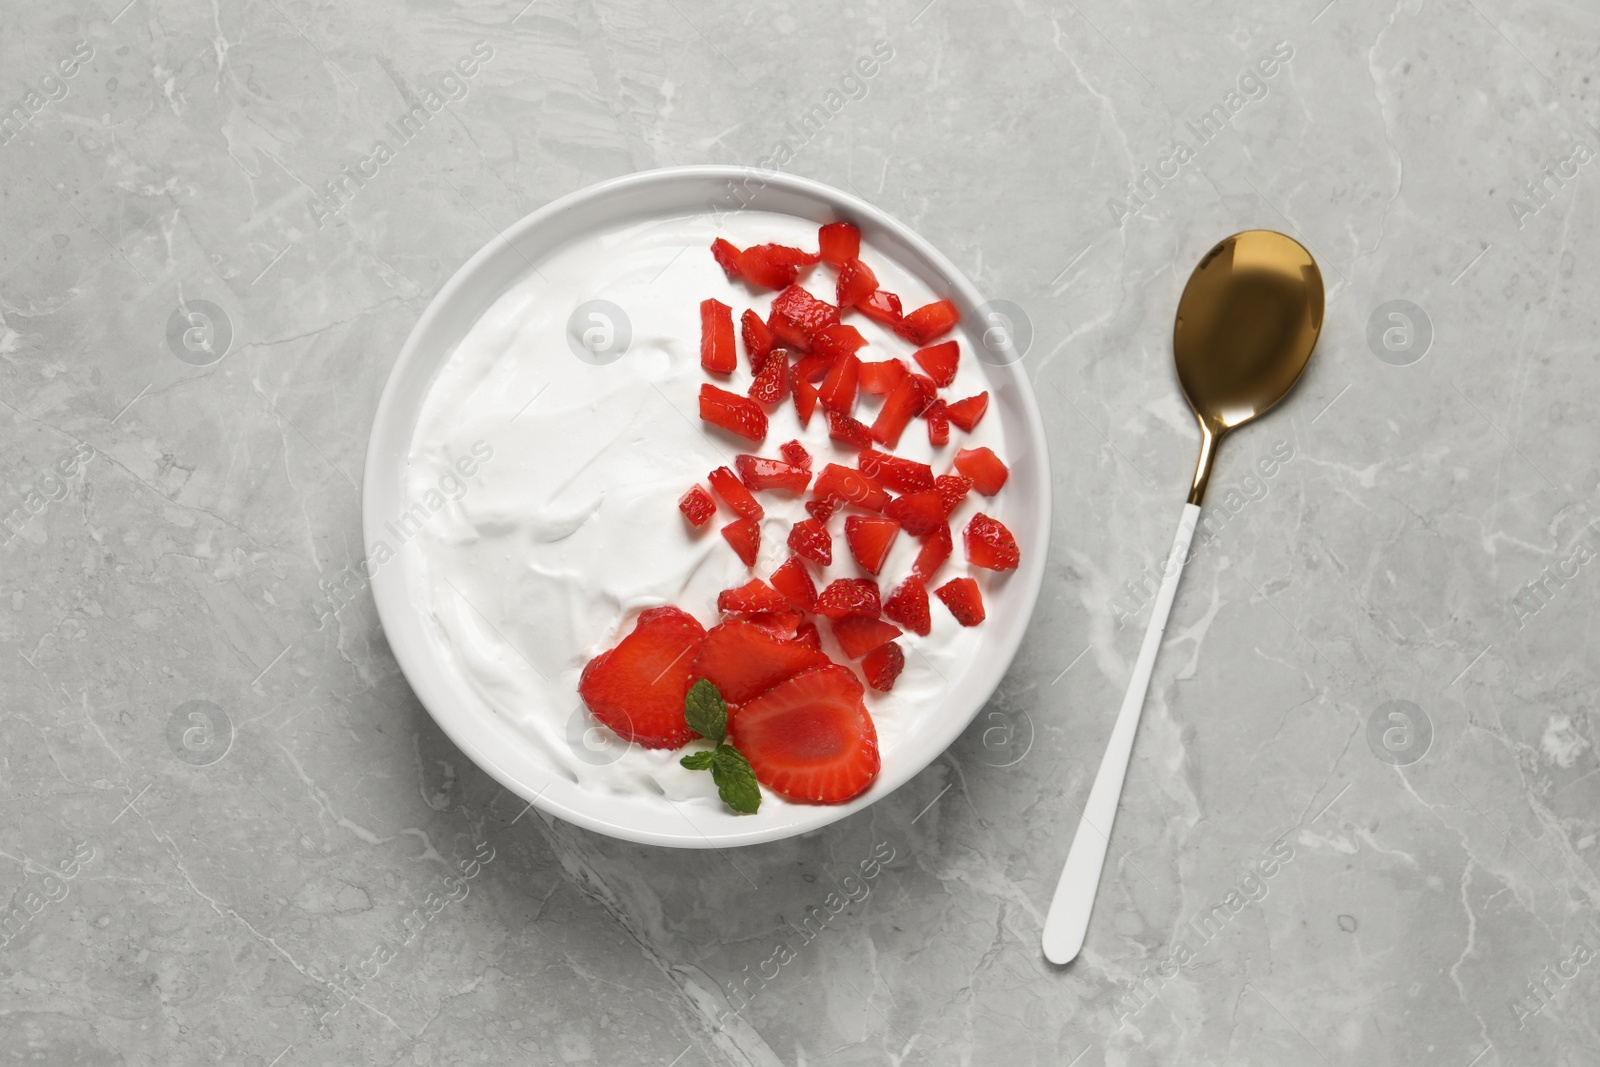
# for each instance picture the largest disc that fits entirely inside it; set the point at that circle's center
(637, 688)
(901, 475)
(759, 472)
(798, 308)
(870, 539)
(880, 306)
(899, 407)
(967, 413)
(787, 332)
(908, 606)
(988, 474)
(990, 544)
(940, 362)
(697, 505)
(836, 341)
(757, 340)
(810, 738)
(772, 383)
(843, 485)
(936, 549)
(774, 266)
(814, 366)
(784, 625)
(848, 431)
(805, 395)
(745, 537)
(919, 513)
(929, 322)
(808, 634)
(839, 387)
(751, 597)
(734, 494)
(821, 510)
(734, 413)
(857, 283)
(881, 377)
(961, 596)
(795, 452)
(727, 257)
(849, 596)
(717, 354)
(858, 635)
(794, 582)
(742, 660)
(811, 539)
(840, 242)
(938, 424)
(952, 490)
(883, 665)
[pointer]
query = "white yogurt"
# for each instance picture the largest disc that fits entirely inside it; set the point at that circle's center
(572, 526)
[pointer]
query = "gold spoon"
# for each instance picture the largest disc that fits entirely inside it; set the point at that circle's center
(1246, 325)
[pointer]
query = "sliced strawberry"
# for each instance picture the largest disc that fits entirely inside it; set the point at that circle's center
(883, 665)
(843, 485)
(805, 395)
(811, 539)
(938, 424)
(727, 257)
(810, 738)
(929, 322)
(751, 597)
(967, 413)
(787, 332)
(880, 306)
(940, 362)
(758, 472)
(717, 354)
(774, 266)
(856, 284)
(794, 582)
(881, 377)
(772, 384)
(839, 387)
(836, 341)
(804, 312)
(734, 494)
(757, 340)
(840, 242)
(745, 537)
(899, 407)
(858, 634)
(795, 452)
(697, 505)
(961, 596)
(637, 688)
(849, 596)
(870, 538)
(901, 475)
(952, 490)
(734, 413)
(919, 513)
(988, 474)
(936, 549)
(908, 606)
(784, 625)
(990, 544)
(847, 431)
(821, 510)
(742, 660)
(807, 634)
(814, 366)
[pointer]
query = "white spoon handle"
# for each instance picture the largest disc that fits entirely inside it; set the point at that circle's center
(1068, 919)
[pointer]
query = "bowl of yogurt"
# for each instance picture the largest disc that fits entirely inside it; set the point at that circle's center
(525, 464)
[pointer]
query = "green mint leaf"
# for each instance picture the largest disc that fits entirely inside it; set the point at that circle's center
(699, 761)
(736, 782)
(705, 711)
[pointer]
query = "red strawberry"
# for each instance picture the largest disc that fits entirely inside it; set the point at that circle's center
(881, 377)
(988, 474)
(795, 452)
(697, 505)
(880, 306)
(805, 395)
(911, 396)
(821, 510)
(938, 424)
(757, 339)
(813, 366)
(759, 473)
(837, 341)
(807, 634)
(966, 413)
(856, 283)
(902, 475)
(883, 665)
(870, 538)
(848, 431)
(734, 494)
(811, 539)
(798, 308)
(908, 606)
(843, 485)
(840, 242)
(990, 544)
(929, 322)
(637, 688)
(839, 387)
(952, 490)
(961, 596)
(849, 596)
(936, 549)
(751, 597)
(773, 266)
(727, 257)
(810, 738)
(794, 582)
(742, 660)
(784, 625)
(858, 634)
(772, 384)
(734, 413)
(745, 537)
(940, 362)
(919, 513)
(787, 332)
(716, 337)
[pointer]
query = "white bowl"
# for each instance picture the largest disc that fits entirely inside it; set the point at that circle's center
(401, 598)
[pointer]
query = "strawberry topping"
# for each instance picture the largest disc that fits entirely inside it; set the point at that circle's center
(843, 485)
(857, 283)
(811, 539)
(727, 257)
(901, 475)
(637, 688)
(936, 549)
(717, 354)
(940, 362)
(773, 266)
(795, 583)
(929, 322)
(734, 413)
(750, 598)
(840, 242)
(920, 513)
(967, 413)
(879, 306)
(849, 596)
(757, 340)
(848, 431)
(990, 544)
(734, 494)
(908, 606)
(883, 665)
(961, 596)
(745, 537)
(870, 538)
(758, 472)
(742, 660)
(810, 738)
(697, 505)
(858, 634)
(988, 474)
(795, 452)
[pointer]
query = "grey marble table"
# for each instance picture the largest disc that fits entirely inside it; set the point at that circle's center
(1361, 820)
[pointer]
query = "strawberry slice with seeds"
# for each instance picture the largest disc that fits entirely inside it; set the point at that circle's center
(805, 395)
(990, 545)
(847, 431)
(952, 490)
(757, 340)
(919, 513)
(807, 634)
(870, 539)
(901, 475)
(810, 738)
(940, 362)
(814, 366)
(858, 635)
(742, 660)
(883, 665)
(697, 505)
(821, 510)
(637, 688)
(961, 596)
(881, 377)
(784, 625)
(727, 257)
(929, 322)
(880, 306)
(751, 598)
(839, 387)
(938, 424)
(734, 494)
(732, 412)
(967, 413)
(857, 283)
(849, 596)
(842, 485)
(759, 472)
(745, 537)
(840, 242)
(837, 341)
(794, 582)
(911, 396)
(908, 606)
(716, 337)
(987, 472)
(811, 539)
(789, 333)
(795, 452)
(805, 313)
(772, 384)
(936, 549)
(774, 266)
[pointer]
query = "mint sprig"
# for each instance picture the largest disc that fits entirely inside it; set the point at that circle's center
(707, 715)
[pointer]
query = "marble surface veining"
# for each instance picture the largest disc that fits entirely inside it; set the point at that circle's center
(1360, 822)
